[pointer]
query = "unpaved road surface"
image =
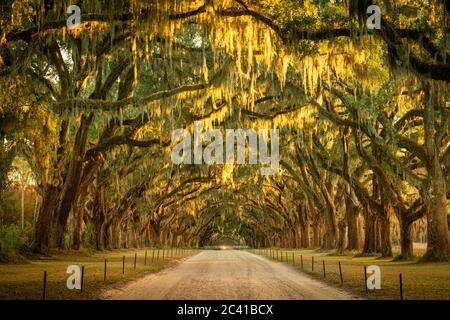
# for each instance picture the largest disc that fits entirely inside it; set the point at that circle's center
(226, 275)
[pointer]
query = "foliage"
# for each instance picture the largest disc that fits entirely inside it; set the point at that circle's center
(14, 243)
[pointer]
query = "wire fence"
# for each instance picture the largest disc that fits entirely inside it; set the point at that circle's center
(346, 274)
(97, 274)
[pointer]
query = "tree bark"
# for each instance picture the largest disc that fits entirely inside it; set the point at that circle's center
(385, 225)
(107, 236)
(316, 234)
(155, 233)
(385, 236)
(435, 196)
(369, 233)
(352, 219)
(341, 239)
(78, 228)
(72, 180)
(44, 229)
(406, 243)
(436, 207)
(304, 227)
(99, 217)
(297, 235)
(330, 235)
(124, 238)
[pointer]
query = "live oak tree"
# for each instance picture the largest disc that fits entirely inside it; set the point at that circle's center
(363, 117)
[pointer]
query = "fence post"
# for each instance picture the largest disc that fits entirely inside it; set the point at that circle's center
(324, 272)
(301, 261)
(135, 259)
(312, 263)
(293, 259)
(82, 278)
(340, 273)
(401, 287)
(45, 286)
(365, 278)
(123, 265)
(145, 259)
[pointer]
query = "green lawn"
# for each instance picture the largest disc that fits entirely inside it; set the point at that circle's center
(420, 280)
(25, 281)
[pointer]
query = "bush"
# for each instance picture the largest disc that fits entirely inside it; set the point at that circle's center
(10, 237)
(14, 244)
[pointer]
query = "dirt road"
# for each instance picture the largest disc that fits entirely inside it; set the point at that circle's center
(226, 275)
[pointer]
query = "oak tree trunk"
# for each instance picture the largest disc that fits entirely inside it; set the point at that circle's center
(352, 219)
(406, 243)
(369, 233)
